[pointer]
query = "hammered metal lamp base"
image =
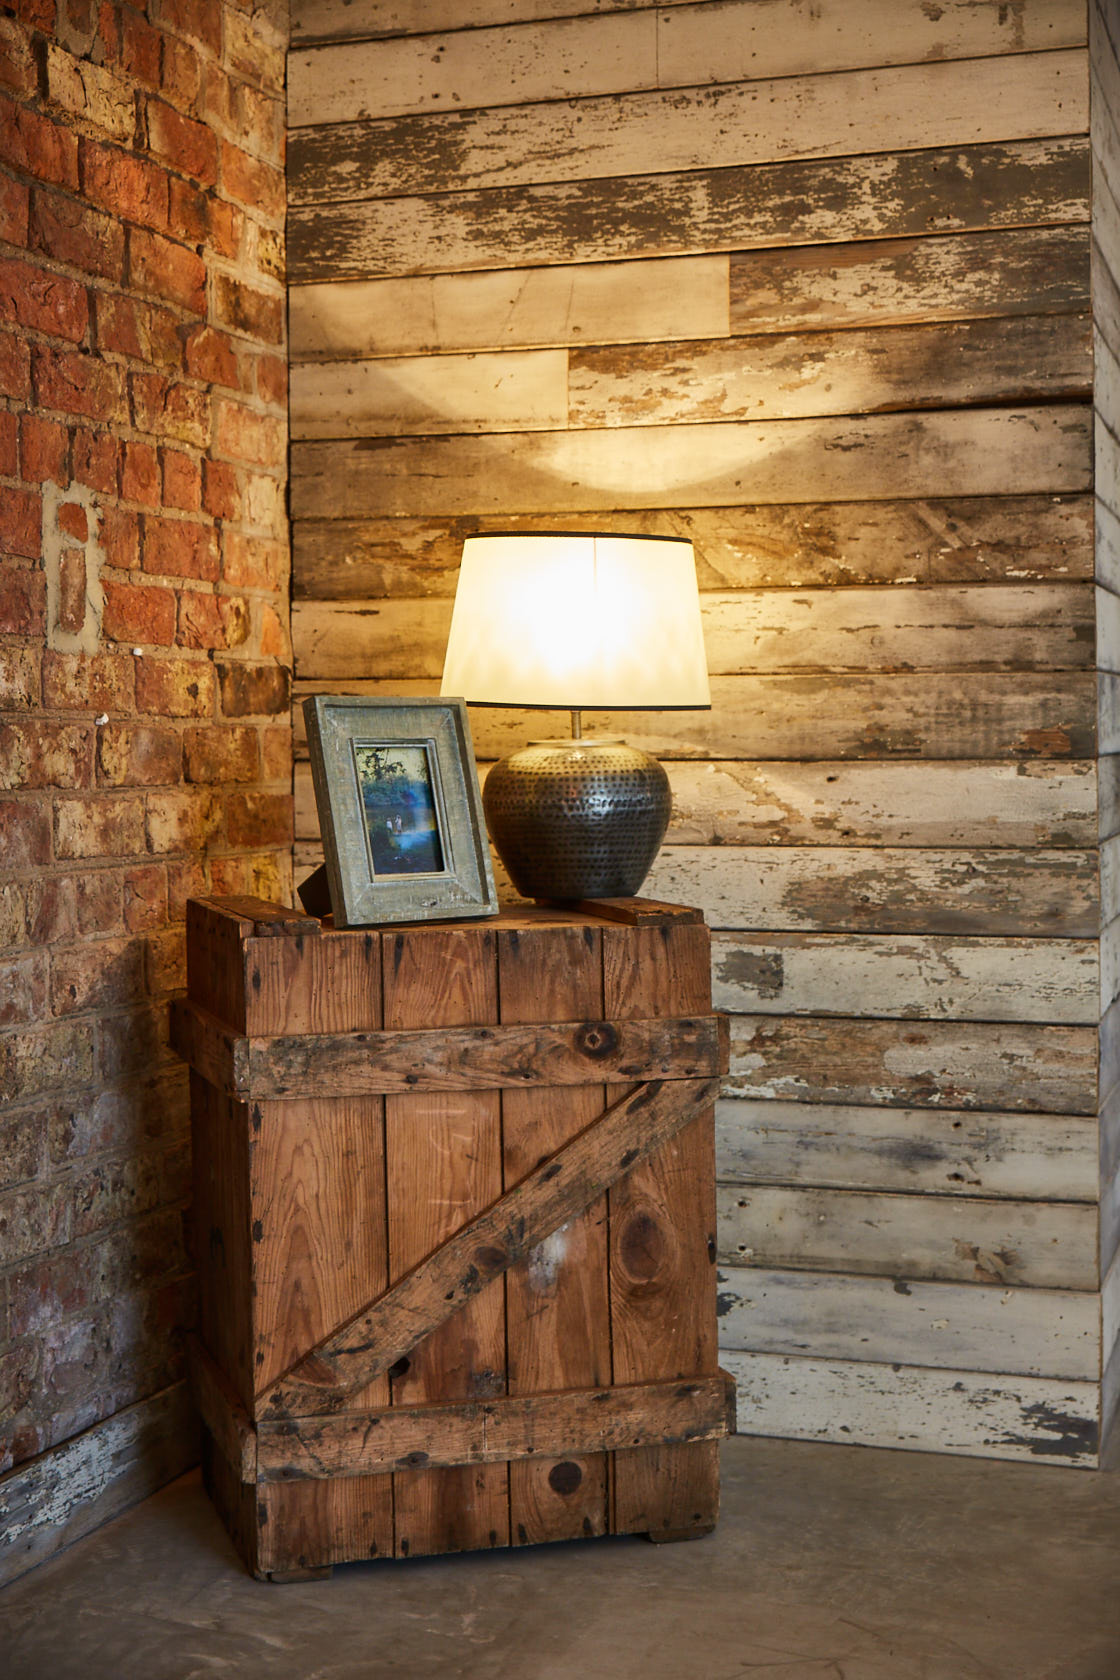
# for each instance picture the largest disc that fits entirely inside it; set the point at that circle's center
(577, 819)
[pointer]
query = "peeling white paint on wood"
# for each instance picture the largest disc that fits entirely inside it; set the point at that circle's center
(512, 308)
(906, 1321)
(921, 1150)
(1038, 1420)
(1045, 980)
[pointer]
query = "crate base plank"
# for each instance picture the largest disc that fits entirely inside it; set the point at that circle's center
(453, 1216)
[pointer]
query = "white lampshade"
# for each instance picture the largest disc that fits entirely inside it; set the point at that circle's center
(578, 621)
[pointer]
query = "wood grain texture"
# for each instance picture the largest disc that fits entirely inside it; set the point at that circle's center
(1036, 1332)
(964, 452)
(444, 1161)
(950, 1064)
(1038, 1420)
(662, 1247)
(805, 202)
(936, 540)
(926, 1151)
(557, 1306)
(511, 142)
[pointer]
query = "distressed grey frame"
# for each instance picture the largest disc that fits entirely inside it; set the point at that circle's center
(465, 886)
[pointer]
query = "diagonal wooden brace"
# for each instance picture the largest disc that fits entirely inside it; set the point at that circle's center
(564, 1185)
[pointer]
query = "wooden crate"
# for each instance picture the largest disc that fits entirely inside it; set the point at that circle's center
(455, 1229)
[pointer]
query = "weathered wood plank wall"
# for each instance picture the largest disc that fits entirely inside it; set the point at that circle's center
(809, 284)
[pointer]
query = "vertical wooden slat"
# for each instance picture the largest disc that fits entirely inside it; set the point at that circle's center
(444, 1164)
(318, 1234)
(663, 1248)
(557, 1312)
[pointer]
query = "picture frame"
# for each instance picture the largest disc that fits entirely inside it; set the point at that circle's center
(399, 809)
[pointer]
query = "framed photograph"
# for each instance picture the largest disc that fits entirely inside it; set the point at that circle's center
(399, 809)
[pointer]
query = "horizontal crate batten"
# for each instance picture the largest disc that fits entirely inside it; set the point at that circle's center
(443, 1310)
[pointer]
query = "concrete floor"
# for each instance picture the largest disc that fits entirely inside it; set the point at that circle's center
(830, 1563)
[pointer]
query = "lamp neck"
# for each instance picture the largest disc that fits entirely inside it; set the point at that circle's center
(577, 724)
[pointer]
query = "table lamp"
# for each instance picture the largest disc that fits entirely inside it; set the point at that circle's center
(584, 622)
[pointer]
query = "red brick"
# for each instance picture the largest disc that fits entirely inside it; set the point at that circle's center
(186, 878)
(127, 185)
(221, 495)
(37, 754)
(212, 621)
(243, 435)
(221, 755)
(132, 328)
(272, 380)
(32, 1221)
(140, 48)
(50, 1290)
(96, 460)
(22, 600)
(262, 876)
(189, 146)
(44, 450)
(255, 119)
(274, 642)
(255, 184)
(25, 834)
(138, 755)
(199, 19)
(140, 474)
(182, 481)
(185, 820)
(73, 519)
(169, 270)
(72, 585)
(254, 562)
(276, 755)
(9, 443)
(100, 682)
(109, 32)
(199, 218)
(15, 367)
(253, 690)
(78, 384)
(180, 548)
(72, 233)
(20, 682)
(246, 310)
(98, 895)
(49, 303)
(15, 206)
(20, 523)
(145, 897)
(18, 71)
(31, 1062)
(22, 990)
(120, 538)
(181, 73)
(175, 687)
(51, 910)
(210, 355)
(169, 409)
(106, 974)
(139, 613)
(103, 825)
(259, 819)
(36, 146)
(22, 1137)
(271, 254)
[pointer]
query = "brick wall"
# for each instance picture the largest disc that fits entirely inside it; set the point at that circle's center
(144, 737)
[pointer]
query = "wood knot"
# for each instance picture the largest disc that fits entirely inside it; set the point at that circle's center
(565, 1477)
(597, 1039)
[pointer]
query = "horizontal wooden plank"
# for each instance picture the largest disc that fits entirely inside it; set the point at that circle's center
(936, 1064)
(939, 715)
(877, 33)
(806, 202)
(448, 1059)
(1046, 980)
(922, 1150)
(1038, 1420)
(1018, 271)
(1021, 360)
(861, 370)
(871, 804)
(511, 1427)
(935, 540)
(1036, 1332)
(506, 142)
(885, 890)
(617, 50)
(523, 308)
(963, 452)
(967, 1239)
(1046, 627)
(562, 1185)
